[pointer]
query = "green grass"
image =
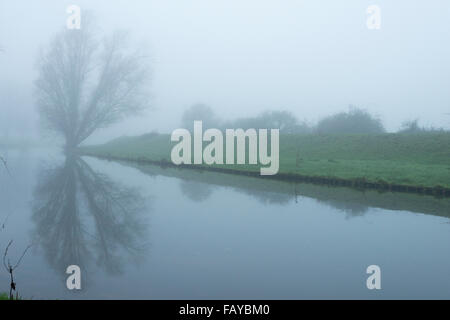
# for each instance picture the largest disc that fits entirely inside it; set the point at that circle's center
(5, 296)
(416, 160)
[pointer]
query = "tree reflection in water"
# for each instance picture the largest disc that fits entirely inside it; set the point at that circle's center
(196, 191)
(82, 216)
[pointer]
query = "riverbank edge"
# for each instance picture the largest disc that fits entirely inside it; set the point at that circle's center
(356, 183)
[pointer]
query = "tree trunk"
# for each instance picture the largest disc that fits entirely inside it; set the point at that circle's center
(70, 146)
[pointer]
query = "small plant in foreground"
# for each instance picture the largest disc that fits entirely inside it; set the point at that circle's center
(10, 269)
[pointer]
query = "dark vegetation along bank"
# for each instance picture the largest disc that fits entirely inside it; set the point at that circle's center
(413, 162)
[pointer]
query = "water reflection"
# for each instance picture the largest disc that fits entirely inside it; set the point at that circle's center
(351, 209)
(196, 191)
(353, 202)
(201, 191)
(269, 198)
(82, 216)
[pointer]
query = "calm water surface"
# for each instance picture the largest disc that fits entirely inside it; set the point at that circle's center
(152, 233)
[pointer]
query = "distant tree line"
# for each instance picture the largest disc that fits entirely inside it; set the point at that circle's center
(354, 121)
(283, 120)
(413, 127)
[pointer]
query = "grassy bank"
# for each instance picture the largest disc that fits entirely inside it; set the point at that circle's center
(401, 162)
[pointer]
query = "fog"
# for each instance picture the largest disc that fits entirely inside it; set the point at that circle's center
(312, 58)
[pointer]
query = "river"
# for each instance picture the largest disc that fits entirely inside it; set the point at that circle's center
(145, 232)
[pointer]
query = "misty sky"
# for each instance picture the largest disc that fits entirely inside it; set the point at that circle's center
(246, 56)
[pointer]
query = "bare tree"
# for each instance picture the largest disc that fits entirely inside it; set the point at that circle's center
(202, 112)
(85, 84)
(10, 268)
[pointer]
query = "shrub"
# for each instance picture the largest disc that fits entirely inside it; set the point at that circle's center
(354, 121)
